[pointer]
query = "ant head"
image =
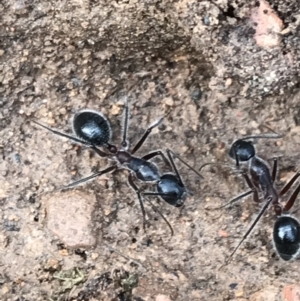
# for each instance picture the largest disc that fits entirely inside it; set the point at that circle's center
(92, 127)
(242, 150)
(286, 237)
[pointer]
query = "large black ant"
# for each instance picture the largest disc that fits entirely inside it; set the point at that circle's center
(243, 151)
(286, 231)
(93, 130)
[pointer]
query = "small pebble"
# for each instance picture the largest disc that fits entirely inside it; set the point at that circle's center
(223, 233)
(168, 101)
(162, 298)
(115, 110)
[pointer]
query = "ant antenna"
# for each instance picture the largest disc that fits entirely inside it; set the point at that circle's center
(274, 135)
(86, 179)
(62, 134)
(251, 228)
(202, 166)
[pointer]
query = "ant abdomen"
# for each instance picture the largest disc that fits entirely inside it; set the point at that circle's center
(92, 127)
(171, 189)
(286, 237)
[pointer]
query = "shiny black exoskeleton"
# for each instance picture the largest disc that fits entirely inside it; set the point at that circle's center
(286, 237)
(172, 190)
(242, 151)
(93, 129)
(260, 179)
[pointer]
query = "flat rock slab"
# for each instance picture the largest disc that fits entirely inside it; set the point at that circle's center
(69, 217)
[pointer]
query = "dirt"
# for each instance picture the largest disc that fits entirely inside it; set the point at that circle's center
(197, 65)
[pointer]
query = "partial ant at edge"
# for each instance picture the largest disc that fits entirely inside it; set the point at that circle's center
(286, 230)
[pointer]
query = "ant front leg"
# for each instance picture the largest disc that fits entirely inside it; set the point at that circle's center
(95, 175)
(252, 187)
(244, 194)
(75, 139)
(146, 134)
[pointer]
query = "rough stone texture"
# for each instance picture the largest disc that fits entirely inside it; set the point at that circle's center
(291, 292)
(197, 64)
(69, 216)
(268, 26)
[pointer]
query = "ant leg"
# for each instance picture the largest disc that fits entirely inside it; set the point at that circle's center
(251, 227)
(289, 184)
(146, 134)
(251, 186)
(169, 153)
(274, 171)
(236, 199)
(162, 216)
(75, 139)
(61, 134)
(237, 162)
(97, 174)
(292, 199)
(125, 125)
(155, 154)
(243, 195)
(137, 191)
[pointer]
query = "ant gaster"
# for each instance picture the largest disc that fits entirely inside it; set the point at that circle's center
(93, 130)
(286, 231)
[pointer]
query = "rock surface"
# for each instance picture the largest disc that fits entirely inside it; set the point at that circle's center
(198, 65)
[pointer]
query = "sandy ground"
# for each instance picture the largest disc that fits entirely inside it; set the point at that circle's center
(201, 66)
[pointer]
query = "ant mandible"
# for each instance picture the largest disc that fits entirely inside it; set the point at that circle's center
(93, 129)
(286, 231)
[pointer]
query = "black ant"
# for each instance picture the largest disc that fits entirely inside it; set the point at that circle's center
(286, 231)
(243, 151)
(93, 130)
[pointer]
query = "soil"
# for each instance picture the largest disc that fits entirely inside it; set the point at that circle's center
(195, 63)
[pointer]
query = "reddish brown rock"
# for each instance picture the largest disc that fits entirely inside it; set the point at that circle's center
(267, 25)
